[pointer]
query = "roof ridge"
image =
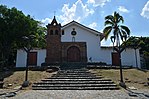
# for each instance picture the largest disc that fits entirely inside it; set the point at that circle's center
(81, 25)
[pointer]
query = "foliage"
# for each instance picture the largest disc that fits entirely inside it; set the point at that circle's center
(143, 45)
(135, 42)
(113, 24)
(146, 59)
(139, 42)
(41, 41)
(13, 26)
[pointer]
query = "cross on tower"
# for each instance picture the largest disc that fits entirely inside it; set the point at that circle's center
(54, 13)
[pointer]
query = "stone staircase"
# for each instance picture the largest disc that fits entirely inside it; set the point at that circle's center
(75, 79)
(73, 65)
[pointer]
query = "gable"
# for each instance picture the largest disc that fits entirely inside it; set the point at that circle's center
(76, 24)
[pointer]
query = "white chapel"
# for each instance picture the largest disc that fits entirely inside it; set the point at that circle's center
(75, 42)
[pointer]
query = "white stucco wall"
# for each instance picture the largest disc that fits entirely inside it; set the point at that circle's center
(105, 55)
(91, 39)
(127, 57)
(41, 55)
(93, 48)
(22, 56)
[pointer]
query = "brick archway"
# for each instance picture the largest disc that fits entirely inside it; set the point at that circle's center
(73, 54)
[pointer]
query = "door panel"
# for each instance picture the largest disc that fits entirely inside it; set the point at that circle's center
(32, 58)
(115, 59)
(73, 54)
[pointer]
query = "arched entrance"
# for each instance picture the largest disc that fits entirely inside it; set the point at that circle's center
(73, 54)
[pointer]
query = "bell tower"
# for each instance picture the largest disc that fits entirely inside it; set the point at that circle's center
(53, 39)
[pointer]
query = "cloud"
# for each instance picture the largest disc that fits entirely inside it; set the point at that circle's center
(93, 25)
(78, 11)
(106, 43)
(46, 21)
(96, 3)
(145, 11)
(123, 9)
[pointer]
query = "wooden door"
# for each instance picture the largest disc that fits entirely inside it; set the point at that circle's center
(73, 54)
(115, 59)
(32, 58)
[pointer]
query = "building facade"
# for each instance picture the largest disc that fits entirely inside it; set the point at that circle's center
(75, 42)
(58, 51)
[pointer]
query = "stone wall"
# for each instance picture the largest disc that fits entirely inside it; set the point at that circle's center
(82, 47)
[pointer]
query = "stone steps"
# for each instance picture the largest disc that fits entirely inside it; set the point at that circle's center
(74, 70)
(92, 79)
(73, 85)
(86, 75)
(74, 82)
(72, 65)
(76, 76)
(76, 79)
(83, 73)
(71, 72)
(76, 88)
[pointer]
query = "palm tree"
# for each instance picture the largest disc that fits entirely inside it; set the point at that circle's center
(113, 24)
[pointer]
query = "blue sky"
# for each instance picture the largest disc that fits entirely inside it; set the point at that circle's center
(90, 13)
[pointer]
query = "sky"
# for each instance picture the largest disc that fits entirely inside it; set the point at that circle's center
(90, 13)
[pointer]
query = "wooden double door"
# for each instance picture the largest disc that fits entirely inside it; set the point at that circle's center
(32, 58)
(115, 59)
(73, 54)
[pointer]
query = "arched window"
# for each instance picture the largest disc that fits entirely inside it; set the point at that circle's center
(56, 32)
(51, 32)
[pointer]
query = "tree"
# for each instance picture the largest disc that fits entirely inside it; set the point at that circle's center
(40, 37)
(13, 26)
(113, 24)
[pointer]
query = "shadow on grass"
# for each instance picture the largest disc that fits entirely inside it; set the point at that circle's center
(5, 74)
(9, 72)
(143, 70)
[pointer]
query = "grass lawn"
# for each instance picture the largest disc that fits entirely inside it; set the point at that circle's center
(16, 78)
(132, 77)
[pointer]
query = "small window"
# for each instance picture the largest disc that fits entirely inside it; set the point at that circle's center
(51, 32)
(54, 24)
(56, 32)
(62, 32)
